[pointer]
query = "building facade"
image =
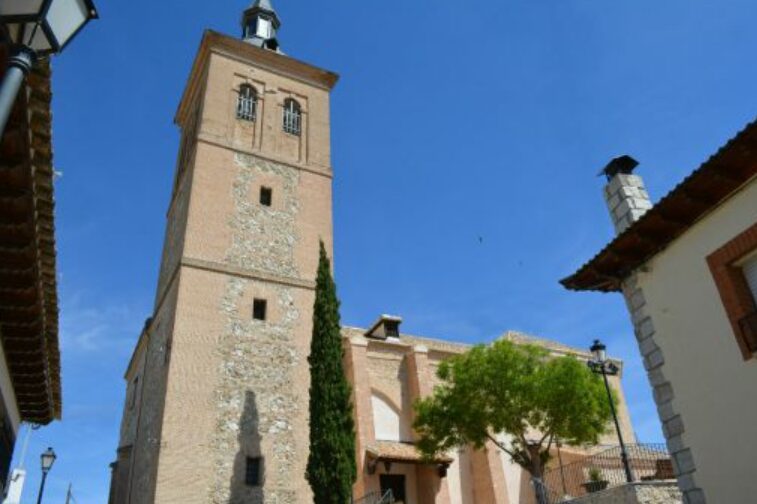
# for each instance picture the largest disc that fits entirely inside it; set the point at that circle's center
(687, 267)
(389, 371)
(217, 388)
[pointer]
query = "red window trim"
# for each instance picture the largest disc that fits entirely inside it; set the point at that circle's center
(732, 286)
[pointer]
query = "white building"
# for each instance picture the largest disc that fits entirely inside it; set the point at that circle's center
(687, 267)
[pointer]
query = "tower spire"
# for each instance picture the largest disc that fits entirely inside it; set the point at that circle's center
(259, 25)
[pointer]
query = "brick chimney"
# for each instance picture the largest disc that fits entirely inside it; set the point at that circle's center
(625, 194)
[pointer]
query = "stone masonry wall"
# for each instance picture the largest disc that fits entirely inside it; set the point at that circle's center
(664, 395)
(144, 458)
(656, 492)
(627, 200)
(264, 238)
(257, 398)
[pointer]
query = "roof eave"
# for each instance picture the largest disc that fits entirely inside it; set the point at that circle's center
(724, 174)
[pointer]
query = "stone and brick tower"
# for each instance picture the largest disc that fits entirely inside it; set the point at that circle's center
(217, 399)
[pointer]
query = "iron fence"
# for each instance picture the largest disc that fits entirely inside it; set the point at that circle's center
(375, 498)
(648, 462)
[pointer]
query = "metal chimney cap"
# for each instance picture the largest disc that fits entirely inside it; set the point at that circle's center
(623, 164)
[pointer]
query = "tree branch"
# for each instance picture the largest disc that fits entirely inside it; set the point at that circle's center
(549, 444)
(500, 445)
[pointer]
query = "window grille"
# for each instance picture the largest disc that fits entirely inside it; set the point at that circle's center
(247, 103)
(292, 117)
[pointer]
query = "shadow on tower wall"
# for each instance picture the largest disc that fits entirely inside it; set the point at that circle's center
(248, 447)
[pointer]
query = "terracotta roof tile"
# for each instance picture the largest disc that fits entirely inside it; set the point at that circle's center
(395, 451)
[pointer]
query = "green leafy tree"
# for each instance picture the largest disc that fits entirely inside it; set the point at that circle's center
(517, 390)
(331, 468)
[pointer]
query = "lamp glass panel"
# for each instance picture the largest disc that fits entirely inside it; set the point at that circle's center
(47, 461)
(65, 17)
(39, 41)
(14, 31)
(20, 7)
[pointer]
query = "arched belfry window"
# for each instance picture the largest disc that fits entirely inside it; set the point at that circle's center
(292, 117)
(247, 103)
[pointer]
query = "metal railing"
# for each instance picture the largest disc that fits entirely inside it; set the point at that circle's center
(375, 498)
(648, 462)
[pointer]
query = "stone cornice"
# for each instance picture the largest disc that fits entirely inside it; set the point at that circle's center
(227, 269)
(225, 144)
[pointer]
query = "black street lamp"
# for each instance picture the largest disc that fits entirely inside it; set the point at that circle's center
(48, 459)
(601, 365)
(36, 28)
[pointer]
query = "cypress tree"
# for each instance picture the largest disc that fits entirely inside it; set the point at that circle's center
(331, 469)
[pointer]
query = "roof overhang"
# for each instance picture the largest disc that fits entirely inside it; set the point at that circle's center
(395, 452)
(716, 180)
(28, 290)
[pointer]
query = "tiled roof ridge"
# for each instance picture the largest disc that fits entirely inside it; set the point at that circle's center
(510, 334)
(545, 342)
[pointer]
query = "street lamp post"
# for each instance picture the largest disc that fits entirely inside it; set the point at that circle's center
(601, 365)
(34, 29)
(47, 459)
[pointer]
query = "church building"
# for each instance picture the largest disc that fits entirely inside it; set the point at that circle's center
(216, 407)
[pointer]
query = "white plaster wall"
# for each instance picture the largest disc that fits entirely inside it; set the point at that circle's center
(714, 387)
(9, 396)
(387, 421)
(459, 478)
(513, 472)
(513, 477)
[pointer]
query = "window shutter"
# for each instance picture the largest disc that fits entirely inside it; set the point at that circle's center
(750, 273)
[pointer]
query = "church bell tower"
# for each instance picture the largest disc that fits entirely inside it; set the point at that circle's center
(217, 398)
(259, 25)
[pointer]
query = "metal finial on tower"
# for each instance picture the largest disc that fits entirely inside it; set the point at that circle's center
(259, 25)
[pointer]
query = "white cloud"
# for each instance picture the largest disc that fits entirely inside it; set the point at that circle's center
(88, 326)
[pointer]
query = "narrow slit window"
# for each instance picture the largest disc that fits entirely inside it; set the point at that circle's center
(259, 308)
(266, 196)
(292, 117)
(247, 103)
(133, 395)
(167, 354)
(253, 471)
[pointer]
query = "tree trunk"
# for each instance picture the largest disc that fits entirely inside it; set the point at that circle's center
(536, 471)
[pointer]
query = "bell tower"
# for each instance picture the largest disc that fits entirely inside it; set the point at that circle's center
(217, 398)
(259, 25)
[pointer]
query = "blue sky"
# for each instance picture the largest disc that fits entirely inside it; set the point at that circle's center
(453, 121)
